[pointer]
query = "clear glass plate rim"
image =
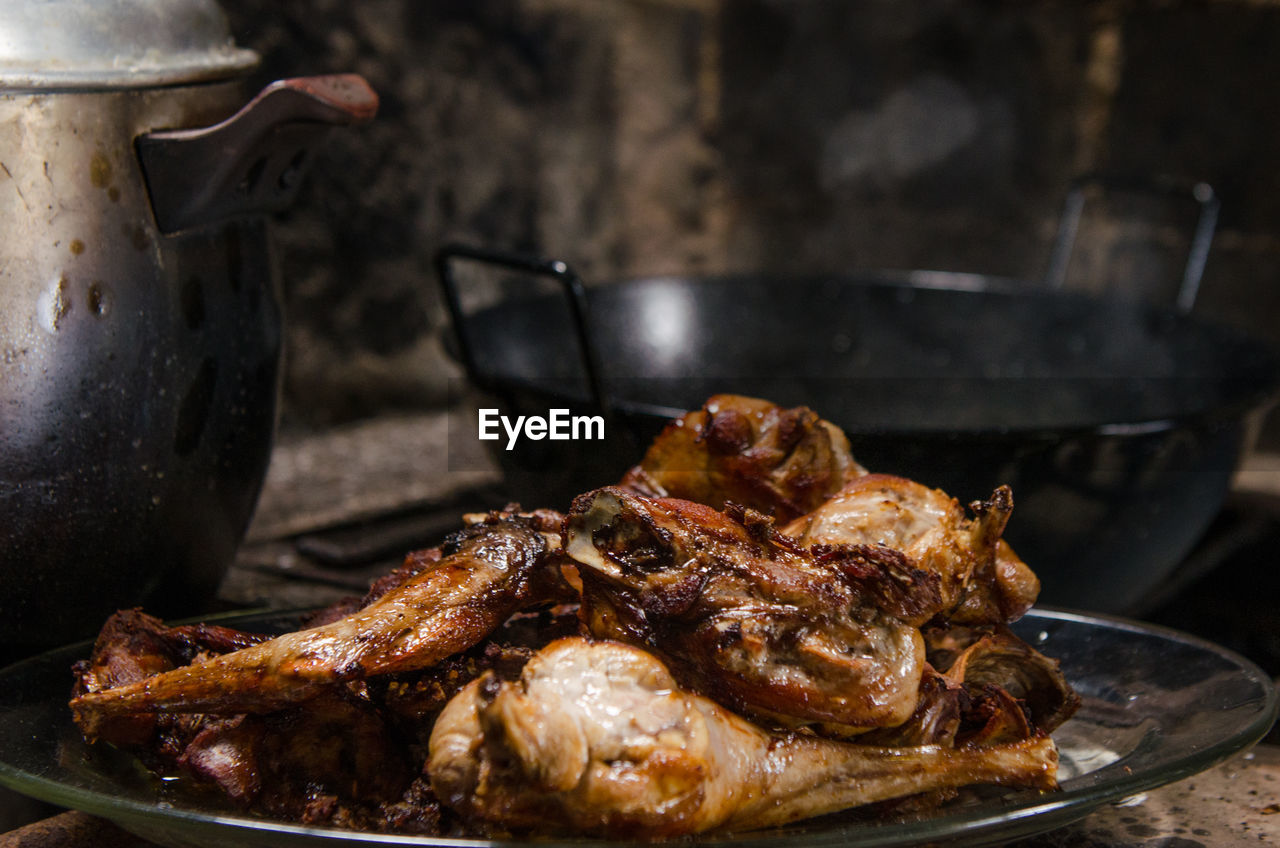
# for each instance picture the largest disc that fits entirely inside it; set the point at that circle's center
(1067, 804)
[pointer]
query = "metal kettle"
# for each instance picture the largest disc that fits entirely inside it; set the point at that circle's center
(140, 325)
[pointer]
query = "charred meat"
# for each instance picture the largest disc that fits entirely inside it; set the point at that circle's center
(745, 616)
(735, 449)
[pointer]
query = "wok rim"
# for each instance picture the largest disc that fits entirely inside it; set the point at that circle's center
(1263, 377)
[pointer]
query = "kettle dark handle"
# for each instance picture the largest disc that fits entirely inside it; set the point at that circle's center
(571, 285)
(252, 162)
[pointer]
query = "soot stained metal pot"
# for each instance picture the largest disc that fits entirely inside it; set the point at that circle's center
(1117, 424)
(140, 327)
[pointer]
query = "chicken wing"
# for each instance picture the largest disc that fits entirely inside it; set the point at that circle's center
(133, 646)
(982, 579)
(743, 615)
(488, 571)
(782, 462)
(598, 739)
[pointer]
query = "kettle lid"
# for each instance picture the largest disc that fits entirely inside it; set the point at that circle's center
(116, 44)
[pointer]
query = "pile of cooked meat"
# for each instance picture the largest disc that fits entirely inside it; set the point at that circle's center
(747, 630)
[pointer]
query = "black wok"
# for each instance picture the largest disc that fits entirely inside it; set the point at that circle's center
(1117, 424)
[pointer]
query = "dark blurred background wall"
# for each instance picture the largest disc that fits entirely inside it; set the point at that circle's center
(652, 136)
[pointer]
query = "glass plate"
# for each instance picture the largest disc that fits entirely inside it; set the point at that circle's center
(1158, 706)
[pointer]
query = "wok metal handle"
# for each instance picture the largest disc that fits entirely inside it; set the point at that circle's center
(571, 285)
(1201, 239)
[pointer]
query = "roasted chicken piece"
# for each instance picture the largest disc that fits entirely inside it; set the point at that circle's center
(351, 757)
(488, 570)
(133, 646)
(741, 614)
(599, 739)
(338, 759)
(336, 746)
(941, 708)
(994, 657)
(782, 462)
(982, 579)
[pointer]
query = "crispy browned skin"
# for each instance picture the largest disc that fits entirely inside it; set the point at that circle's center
(489, 570)
(133, 646)
(995, 657)
(744, 616)
(599, 739)
(938, 717)
(735, 449)
(982, 579)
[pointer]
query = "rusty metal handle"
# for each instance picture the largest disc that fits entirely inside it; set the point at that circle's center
(254, 161)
